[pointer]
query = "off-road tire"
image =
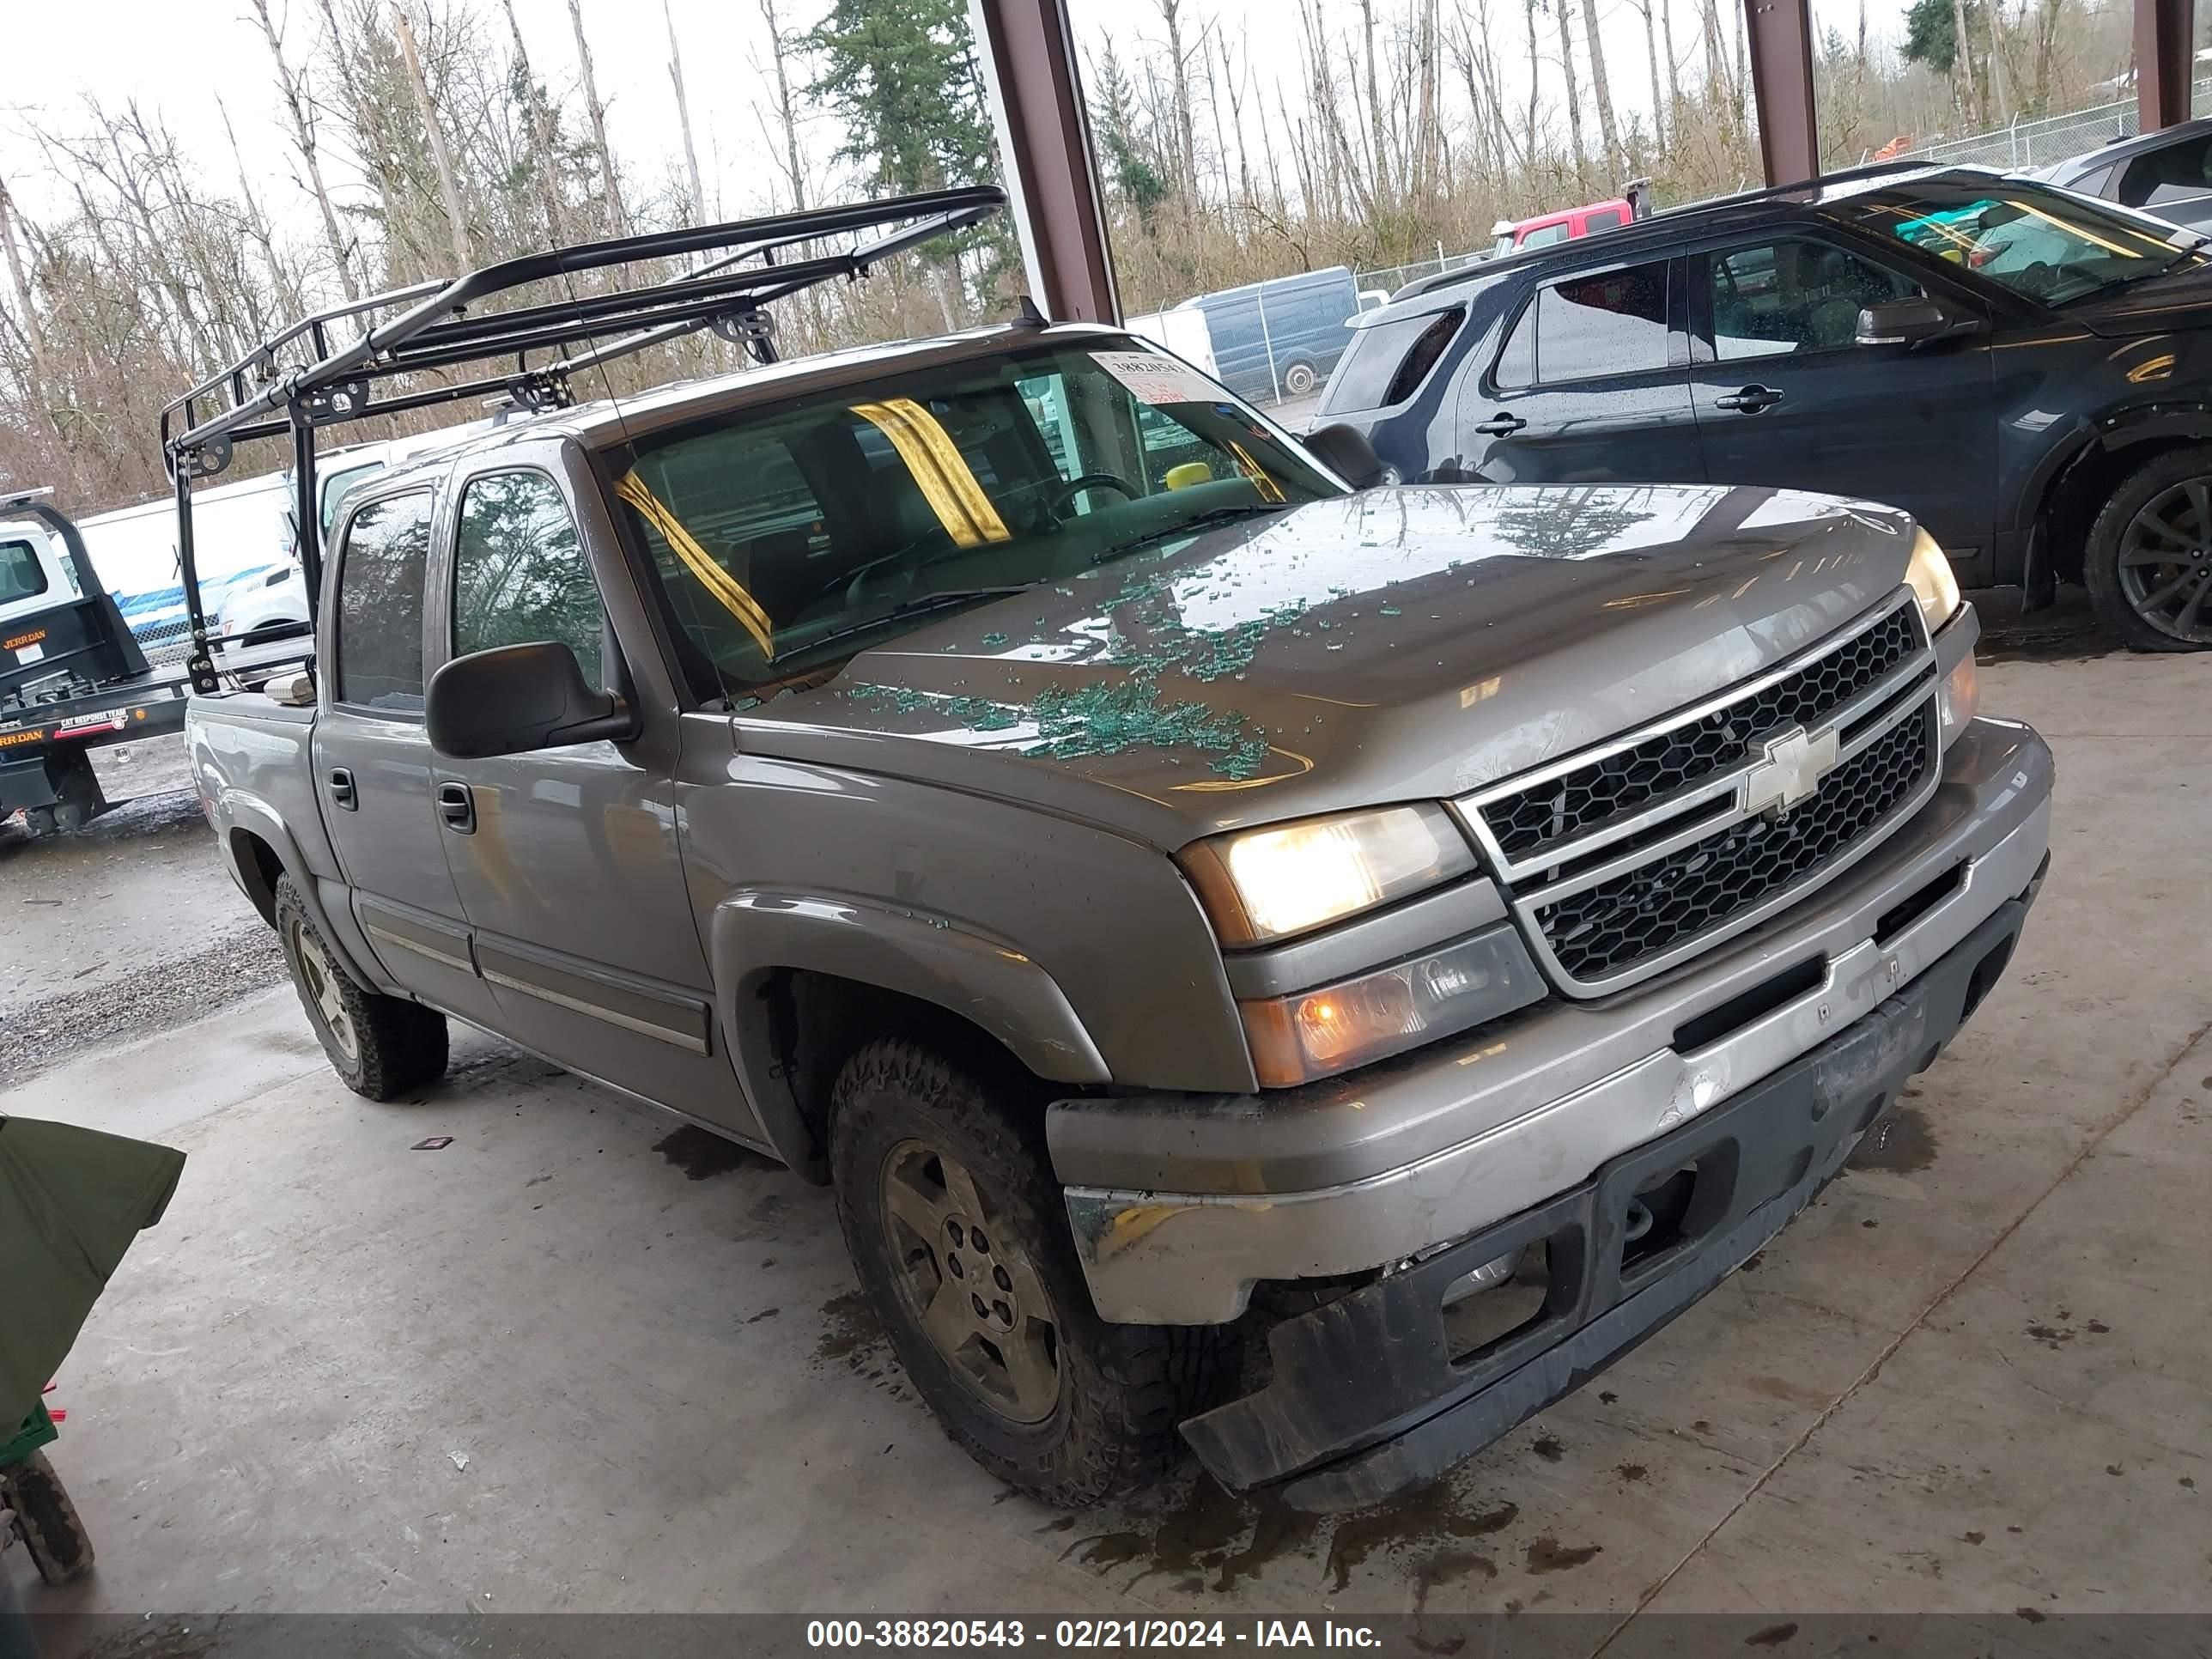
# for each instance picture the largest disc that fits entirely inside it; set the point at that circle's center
(398, 1045)
(46, 1519)
(2100, 555)
(1122, 1388)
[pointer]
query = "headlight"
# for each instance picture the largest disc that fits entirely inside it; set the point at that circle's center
(1931, 581)
(1266, 884)
(1957, 699)
(1319, 1033)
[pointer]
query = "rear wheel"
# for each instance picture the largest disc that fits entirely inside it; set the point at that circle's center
(962, 1245)
(381, 1046)
(1299, 378)
(2148, 563)
(46, 1519)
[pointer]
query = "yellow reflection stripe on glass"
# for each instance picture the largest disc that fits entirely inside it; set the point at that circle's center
(1268, 489)
(2072, 230)
(937, 468)
(726, 589)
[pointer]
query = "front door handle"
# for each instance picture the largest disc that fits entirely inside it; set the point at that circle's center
(457, 807)
(1504, 424)
(342, 792)
(1749, 400)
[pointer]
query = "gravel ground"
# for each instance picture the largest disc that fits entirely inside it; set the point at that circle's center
(127, 928)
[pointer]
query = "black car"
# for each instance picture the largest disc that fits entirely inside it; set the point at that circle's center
(2168, 173)
(2028, 373)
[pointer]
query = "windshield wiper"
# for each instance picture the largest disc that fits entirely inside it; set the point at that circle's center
(942, 600)
(1190, 526)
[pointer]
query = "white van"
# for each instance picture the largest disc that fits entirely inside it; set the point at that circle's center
(243, 545)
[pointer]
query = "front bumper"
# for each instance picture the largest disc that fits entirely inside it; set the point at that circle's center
(1181, 1203)
(1368, 1399)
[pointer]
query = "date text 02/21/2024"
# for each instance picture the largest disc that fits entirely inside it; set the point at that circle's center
(1086, 1633)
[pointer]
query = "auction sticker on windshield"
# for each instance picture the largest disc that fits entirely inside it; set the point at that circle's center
(1156, 379)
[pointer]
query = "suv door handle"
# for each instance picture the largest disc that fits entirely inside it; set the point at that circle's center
(1749, 400)
(342, 794)
(457, 807)
(1504, 424)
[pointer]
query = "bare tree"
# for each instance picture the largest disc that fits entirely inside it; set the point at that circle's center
(618, 218)
(1651, 58)
(683, 117)
(449, 192)
(1179, 68)
(787, 113)
(544, 140)
(298, 110)
(1599, 89)
(34, 335)
(1574, 93)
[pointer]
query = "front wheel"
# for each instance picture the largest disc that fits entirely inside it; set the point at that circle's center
(957, 1231)
(46, 1519)
(1299, 378)
(2148, 563)
(381, 1047)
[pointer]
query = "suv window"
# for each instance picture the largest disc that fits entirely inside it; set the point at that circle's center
(520, 574)
(1775, 298)
(21, 575)
(380, 624)
(1387, 362)
(2175, 173)
(1612, 324)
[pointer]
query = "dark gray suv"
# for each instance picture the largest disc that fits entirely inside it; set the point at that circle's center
(2022, 369)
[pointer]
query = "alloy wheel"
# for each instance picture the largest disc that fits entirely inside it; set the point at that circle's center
(322, 983)
(969, 1284)
(2165, 562)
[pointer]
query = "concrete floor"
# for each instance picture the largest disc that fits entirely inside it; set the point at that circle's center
(584, 1359)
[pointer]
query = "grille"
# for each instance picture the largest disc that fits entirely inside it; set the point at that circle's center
(1620, 922)
(1559, 808)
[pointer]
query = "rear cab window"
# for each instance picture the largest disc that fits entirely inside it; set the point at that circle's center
(378, 638)
(1386, 362)
(22, 576)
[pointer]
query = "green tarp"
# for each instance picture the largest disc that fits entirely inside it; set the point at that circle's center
(71, 1200)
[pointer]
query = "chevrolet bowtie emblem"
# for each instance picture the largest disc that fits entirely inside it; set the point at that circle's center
(1789, 768)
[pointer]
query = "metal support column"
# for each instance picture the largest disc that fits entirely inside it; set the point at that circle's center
(1050, 166)
(2162, 62)
(1781, 39)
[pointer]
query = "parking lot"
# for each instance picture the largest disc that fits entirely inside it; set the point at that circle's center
(585, 1359)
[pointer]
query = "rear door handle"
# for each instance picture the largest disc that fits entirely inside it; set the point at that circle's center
(342, 794)
(1501, 425)
(457, 807)
(1749, 400)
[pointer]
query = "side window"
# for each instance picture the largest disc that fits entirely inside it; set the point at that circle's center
(1775, 298)
(380, 623)
(2172, 174)
(520, 574)
(1516, 359)
(1603, 326)
(1387, 362)
(1604, 219)
(1545, 235)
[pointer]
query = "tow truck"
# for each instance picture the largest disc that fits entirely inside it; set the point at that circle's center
(73, 679)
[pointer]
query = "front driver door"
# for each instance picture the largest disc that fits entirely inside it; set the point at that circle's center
(1786, 396)
(373, 761)
(1591, 386)
(566, 859)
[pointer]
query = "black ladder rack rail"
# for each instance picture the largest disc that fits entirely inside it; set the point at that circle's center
(260, 397)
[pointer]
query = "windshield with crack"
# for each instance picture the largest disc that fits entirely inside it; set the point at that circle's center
(786, 539)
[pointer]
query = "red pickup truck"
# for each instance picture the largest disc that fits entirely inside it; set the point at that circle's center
(1513, 234)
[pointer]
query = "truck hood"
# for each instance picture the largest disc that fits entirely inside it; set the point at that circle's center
(1399, 644)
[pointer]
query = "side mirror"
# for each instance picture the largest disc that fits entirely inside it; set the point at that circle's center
(1918, 321)
(516, 698)
(1344, 451)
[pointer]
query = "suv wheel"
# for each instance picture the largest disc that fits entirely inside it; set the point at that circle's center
(957, 1230)
(2148, 563)
(381, 1046)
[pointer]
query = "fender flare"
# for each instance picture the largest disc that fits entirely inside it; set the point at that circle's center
(756, 933)
(238, 813)
(2113, 429)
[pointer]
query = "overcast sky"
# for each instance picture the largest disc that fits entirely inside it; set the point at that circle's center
(177, 58)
